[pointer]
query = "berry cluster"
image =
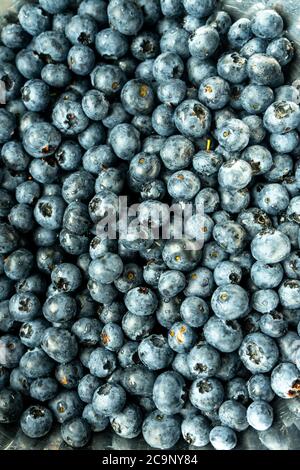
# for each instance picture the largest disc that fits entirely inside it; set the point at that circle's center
(162, 101)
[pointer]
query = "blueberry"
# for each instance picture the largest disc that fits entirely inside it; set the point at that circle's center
(161, 431)
(128, 422)
(240, 33)
(76, 432)
(233, 415)
(206, 394)
(199, 70)
(194, 311)
(203, 361)
(270, 246)
(175, 40)
(137, 380)
(226, 336)
(59, 308)
(52, 45)
(171, 8)
(125, 141)
(166, 402)
(14, 36)
(203, 42)
(254, 46)
(282, 49)
(125, 16)
(36, 421)
(264, 70)
(181, 337)
(236, 390)
(155, 353)
(68, 375)
(167, 65)
(54, 6)
(81, 59)
(24, 306)
(267, 24)
(109, 399)
(82, 30)
(214, 92)
(259, 388)
(94, 8)
(112, 336)
(265, 301)
(163, 120)
(18, 264)
(43, 389)
(69, 118)
(96, 421)
(223, 438)
(65, 406)
(260, 415)
(259, 353)
(59, 344)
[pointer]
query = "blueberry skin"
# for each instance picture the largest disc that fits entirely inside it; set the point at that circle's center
(98, 157)
(282, 117)
(166, 66)
(259, 388)
(112, 337)
(198, 70)
(171, 8)
(226, 336)
(95, 105)
(7, 203)
(36, 95)
(265, 301)
(96, 421)
(234, 135)
(24, 306)
(171, 283)
(282, 49)
(230, 236)
(199, 9)
(259, 353)
(206, 394)
(69, 118)
(87, 386)
(195, 430)
(260, 415)
(109, 399)
(11, 406)
(65, 406)
(78, 186)
(155, 353)
(108, 78)
(60, 345)
(267, 24)
(192, 119)
(233, 415)
(128, 422)
(175, 40)
(256, 99)
(19, 382)
(33, 19)
(14, 156)
(95, 9)
(13, 81)
(200, 283)
(203, 361)
(203, 42)
(6, 290)
(230, 302)
(76, 432)
(227, 272)
(125, 16)
(138, 380)
(49, 211)
(259, 158)
(240, 33)
(181, 337)
(82, 30)
(232, 67)
(43, 389)
(194, 311)
(270, 246)
(35, 363)
(214, 92)
(18, 264)
(125, 141)
(223, 438)
(14, 36)
(81, 60)
(221, 21)
(264, 70)
(53, 45)
(130, 278)
(284, 142)
(8, 238)
(172, 91)
(68, 375)
(7, 126)
(102, 362)
(6, 54)
(55, 6)
(41, 140)
(161, 431)
(137, 97)
(163, 120)
(106, 269)
(29, 64)
(141, 301)
(288, 294)
(169, 393)
(254, 46)
(111, 44)
(128, 354)
(36, 421)
(236, 390)
(59, 308)
(183, 185)
(76, 218)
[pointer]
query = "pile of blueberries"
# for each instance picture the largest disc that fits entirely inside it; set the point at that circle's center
(161, 101)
